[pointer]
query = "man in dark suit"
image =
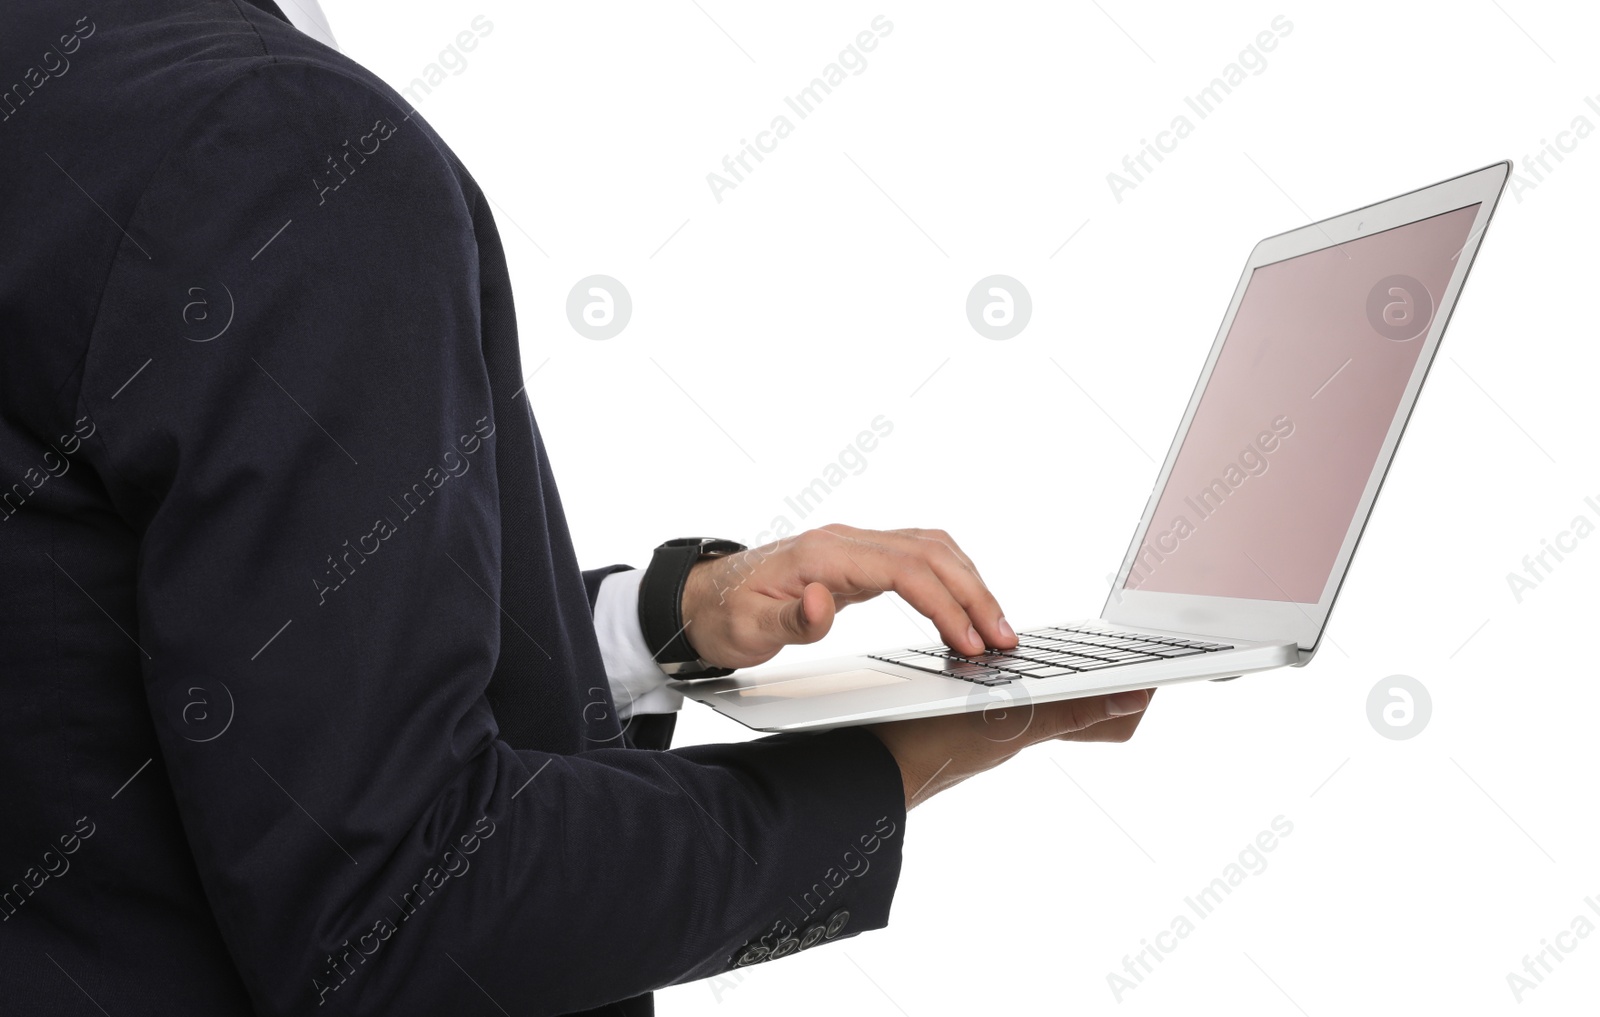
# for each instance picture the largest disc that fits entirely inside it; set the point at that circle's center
(302, 704)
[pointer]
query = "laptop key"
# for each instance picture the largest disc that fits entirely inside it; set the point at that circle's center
(989, 658)
(938, 665)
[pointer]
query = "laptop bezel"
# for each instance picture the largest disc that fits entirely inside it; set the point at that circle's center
(1290, 621)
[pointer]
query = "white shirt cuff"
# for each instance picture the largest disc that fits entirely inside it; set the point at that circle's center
(638, 685)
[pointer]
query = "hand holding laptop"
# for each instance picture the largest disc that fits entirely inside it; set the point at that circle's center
(937, 753)
(741, 610)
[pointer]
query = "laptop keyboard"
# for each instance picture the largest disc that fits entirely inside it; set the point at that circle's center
(1050, 653)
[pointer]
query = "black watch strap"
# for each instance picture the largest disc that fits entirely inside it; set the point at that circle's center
(661, 604)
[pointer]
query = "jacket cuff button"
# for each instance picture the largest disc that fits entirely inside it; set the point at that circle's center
(836, 923)
(751, 955)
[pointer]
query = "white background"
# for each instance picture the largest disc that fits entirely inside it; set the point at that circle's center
(829, 288)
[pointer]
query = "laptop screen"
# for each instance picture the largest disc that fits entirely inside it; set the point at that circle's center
(1292, 419)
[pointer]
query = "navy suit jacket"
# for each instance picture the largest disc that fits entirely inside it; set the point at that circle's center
(301, 706)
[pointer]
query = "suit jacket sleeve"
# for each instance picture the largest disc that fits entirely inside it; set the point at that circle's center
(366, 841)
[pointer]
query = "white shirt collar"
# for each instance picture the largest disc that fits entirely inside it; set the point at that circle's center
(308, 17)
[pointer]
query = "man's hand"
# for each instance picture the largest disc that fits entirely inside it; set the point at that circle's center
(741, 610)
(936, 753)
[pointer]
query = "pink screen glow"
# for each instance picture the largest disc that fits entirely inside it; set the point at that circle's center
(1294, 415)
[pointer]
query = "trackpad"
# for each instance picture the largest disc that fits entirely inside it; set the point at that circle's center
(810, 686)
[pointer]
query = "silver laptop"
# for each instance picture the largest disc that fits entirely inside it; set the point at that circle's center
(1258, 507)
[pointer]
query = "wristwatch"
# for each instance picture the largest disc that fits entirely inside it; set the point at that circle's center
(661, 604)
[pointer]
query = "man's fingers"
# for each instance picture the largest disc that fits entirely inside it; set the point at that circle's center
(1100, 718)
(982, 610)
(805, 619)
(849, 562)
(935, 577)
(942, 537)
(1117, 729)
(924, 590)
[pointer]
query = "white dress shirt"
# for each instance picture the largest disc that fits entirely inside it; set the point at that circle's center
(308, 17)
(638, 685)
